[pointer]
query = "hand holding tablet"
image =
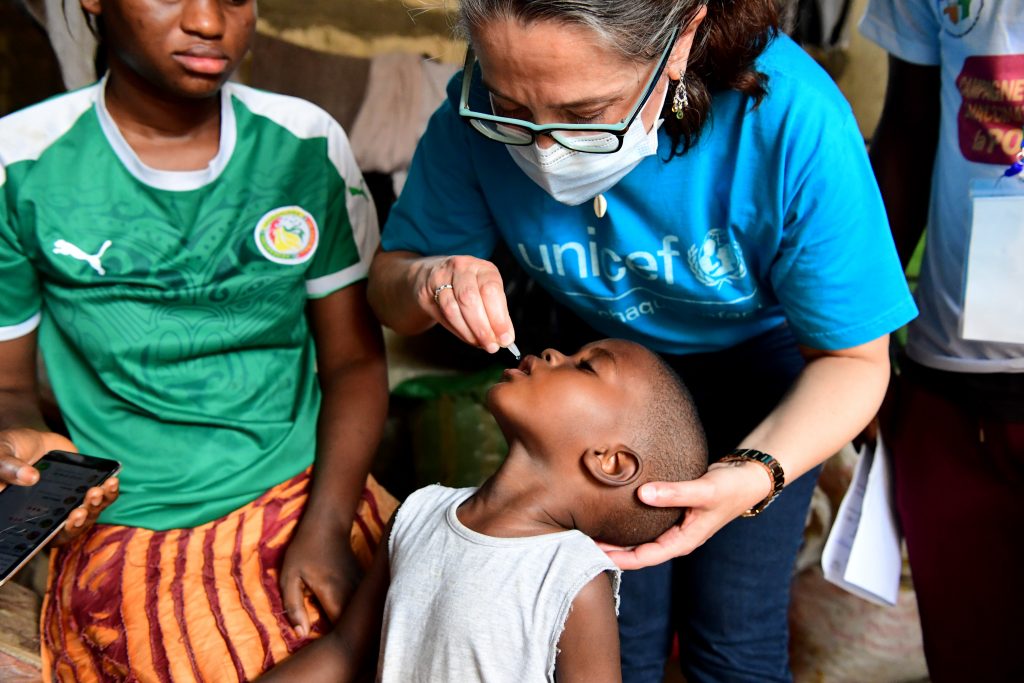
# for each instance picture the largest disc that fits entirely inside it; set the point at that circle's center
(32, 515)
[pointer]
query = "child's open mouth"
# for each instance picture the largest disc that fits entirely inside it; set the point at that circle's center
(512, 372)
(522, 371)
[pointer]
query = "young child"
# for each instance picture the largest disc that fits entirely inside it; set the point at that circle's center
(504, 582)
(189, 255)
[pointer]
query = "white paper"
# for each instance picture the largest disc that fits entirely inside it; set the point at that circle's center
(994, 289)
(862, 554)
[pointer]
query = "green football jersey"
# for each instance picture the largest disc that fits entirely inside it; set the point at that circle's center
(171, 305)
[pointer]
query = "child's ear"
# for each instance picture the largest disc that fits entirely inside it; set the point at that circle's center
(617, 465)
(92, 7)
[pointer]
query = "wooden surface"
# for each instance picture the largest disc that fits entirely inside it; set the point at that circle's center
(13, 670)
(19, 633)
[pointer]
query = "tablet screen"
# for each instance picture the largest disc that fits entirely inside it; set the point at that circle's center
(30, 514)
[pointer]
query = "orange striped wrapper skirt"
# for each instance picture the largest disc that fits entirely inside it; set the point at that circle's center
(199, 604)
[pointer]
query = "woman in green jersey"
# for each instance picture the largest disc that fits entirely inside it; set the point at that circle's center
(189, 256)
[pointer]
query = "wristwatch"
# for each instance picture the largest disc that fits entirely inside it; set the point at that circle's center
(770, 464)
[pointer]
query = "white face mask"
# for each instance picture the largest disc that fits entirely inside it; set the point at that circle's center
(575, 177)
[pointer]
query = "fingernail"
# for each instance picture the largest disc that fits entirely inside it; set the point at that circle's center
(301, 631)
(506, 339)
(79, 523)
(28, 475)
(649, 493)
(492, 348)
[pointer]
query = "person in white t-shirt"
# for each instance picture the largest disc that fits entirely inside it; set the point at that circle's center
(945, 154)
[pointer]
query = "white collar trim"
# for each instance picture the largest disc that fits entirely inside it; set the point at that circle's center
(175, 181)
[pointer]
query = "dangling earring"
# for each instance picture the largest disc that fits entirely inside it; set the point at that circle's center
(680, 100)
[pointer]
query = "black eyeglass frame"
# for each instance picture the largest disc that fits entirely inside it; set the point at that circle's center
(551, 129)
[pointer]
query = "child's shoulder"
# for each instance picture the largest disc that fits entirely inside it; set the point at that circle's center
(423, 507)
(27, 133)
(431, 499)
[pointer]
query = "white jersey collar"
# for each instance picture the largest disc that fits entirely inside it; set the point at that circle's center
(177, 181)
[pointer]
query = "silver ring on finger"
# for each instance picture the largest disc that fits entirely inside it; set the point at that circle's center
(438, 290)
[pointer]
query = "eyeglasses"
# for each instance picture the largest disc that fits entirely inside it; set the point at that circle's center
(594, 138)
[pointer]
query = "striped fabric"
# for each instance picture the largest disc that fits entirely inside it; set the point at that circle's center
(197, 604)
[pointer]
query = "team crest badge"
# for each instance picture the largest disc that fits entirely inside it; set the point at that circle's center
(959, 16)
(717, 259)
(287, 235)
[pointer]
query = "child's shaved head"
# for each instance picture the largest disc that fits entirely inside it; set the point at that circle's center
(670, 439)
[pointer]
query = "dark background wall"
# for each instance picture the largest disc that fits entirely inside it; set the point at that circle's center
(28, 68)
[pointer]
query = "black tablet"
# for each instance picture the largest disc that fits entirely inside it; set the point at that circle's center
(31, 515)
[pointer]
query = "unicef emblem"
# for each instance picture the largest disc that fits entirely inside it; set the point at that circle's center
(959, 16)
(717, 259)
(287, 235)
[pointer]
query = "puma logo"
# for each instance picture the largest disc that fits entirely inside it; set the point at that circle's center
(65, 248)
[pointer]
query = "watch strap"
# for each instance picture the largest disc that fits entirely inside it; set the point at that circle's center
(770, 464)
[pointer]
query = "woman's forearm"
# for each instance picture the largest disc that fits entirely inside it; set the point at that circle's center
(391, 288)
(903, 150)
(832, 400)
(19, 393)
(348, 433)
(352, 372)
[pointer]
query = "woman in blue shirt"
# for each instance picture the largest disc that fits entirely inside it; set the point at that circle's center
(678, 174)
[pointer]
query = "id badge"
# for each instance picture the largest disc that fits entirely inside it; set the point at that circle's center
(994, 279)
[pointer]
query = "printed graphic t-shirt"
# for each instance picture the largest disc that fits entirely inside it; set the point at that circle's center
(774, 215)
(170, 306)
(979, 45)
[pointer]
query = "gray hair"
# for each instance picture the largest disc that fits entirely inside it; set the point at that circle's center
(636, 29)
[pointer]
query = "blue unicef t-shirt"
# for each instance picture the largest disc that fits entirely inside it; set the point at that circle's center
(774, 215)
